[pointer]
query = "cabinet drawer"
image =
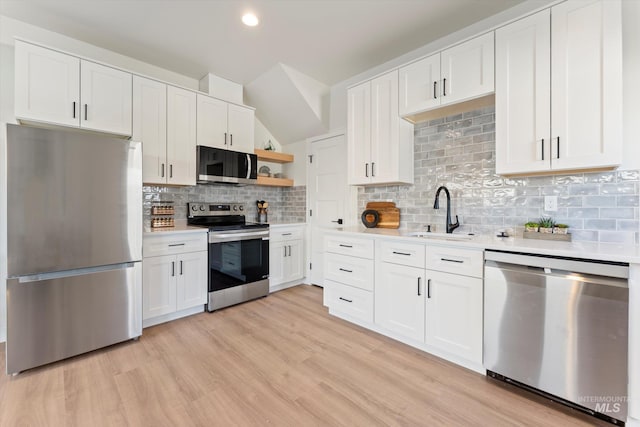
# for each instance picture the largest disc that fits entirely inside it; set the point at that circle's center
(466, 262)
(349, 300)
(349, 270)
(353, 246)
(174, 244)
(283, 234)
(410, 254)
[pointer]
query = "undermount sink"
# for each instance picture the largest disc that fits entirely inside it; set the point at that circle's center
(441, 236)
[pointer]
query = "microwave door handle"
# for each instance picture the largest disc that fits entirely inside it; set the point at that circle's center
(248, 166)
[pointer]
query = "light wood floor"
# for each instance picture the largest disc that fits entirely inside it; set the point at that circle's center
(280, 360)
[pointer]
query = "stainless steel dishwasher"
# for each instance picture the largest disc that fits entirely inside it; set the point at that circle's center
(558, 326)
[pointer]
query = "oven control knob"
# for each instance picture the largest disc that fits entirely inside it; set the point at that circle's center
(241, 208)
(194, 208)
(235, 208)
(202, 208)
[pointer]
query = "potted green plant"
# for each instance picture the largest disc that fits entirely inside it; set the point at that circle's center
(531, 226)
(546, 224)
(560, 228)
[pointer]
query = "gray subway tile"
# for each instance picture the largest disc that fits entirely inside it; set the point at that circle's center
(598, 201)
(617, 213)
(600, 224)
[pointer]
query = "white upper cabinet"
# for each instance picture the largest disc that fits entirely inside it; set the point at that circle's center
(460, 73)
(380, 144)
(106, 98)
(56, 88)
(572, 119)
(47, 85)
(150, 127)
(181, 136)
(225, 125)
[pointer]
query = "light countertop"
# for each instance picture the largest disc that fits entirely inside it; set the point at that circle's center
(180, 227)
(276, 224)
(587, 250)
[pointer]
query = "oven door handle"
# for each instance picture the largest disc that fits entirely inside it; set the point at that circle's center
(232, 237)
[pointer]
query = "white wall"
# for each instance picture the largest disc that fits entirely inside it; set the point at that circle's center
(298, 169)
(631, 83)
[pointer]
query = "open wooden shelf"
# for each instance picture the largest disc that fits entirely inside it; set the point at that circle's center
(273, 157)
(275, 182)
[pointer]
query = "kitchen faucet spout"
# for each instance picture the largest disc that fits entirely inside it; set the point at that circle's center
(436, 205)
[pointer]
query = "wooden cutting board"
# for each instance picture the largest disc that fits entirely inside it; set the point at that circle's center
(389, 214)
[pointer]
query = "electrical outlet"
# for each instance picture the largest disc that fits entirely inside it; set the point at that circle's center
(551, 203)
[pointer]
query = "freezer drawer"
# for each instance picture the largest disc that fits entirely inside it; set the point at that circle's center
(60, 315)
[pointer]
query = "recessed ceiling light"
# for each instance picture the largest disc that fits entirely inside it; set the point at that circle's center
(250, 20)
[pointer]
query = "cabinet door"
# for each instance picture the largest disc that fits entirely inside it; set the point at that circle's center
(359, 133)
(158, 286)
(467, 70)
(586, 81)
(276, 262)
(181, 136)
(454, 314)
(47, 85)
(385, 124)
(212, 122)
(191, 273)
(399, 300)
(150, 127)
(293, 262)
(420, 85)
(106, 98)
(241, 126)
(523, 95)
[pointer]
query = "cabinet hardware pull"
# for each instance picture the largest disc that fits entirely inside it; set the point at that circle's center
(347, 300)
(401, 253)
(345, 246)
(163, 170)
(366, 170)
(285, 251)
(286, 234)
(345, 270)
(170, 171)
(173, 268)
(225, 138)
(419, 286)
(176, 244)
(452, 260)
(231, 139)
(85, 112)
(428, 288)
(339, 221)
(289, 250)
(372, 170)
(444, 87)
(542, 147)
(181, 267)
(74, 109)
(435, 85)
(558, 148)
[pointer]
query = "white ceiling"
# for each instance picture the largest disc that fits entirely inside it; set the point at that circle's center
(329, 40)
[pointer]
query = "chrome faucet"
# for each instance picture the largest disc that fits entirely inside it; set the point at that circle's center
(436, 205)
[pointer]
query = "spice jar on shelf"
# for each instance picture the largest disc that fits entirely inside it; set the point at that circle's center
(162, 214)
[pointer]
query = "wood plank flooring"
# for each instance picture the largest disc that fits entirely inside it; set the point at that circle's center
(280, 360)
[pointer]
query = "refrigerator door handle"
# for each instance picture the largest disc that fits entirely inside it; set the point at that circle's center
(71, 273)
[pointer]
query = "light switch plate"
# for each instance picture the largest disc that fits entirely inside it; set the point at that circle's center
(551, 203)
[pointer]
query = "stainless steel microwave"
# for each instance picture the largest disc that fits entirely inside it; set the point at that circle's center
(216, 165)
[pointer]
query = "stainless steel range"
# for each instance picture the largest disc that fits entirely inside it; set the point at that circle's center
(238, 253)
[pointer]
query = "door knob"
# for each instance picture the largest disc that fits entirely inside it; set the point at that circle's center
(339, 221)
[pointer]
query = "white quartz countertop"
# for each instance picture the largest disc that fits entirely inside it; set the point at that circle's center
(180, 227)
(286, 224)
(586, 250)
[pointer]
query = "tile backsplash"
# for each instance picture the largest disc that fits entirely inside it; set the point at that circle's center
(286, 205)
(459, 151)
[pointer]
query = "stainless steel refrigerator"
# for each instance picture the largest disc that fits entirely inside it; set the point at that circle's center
(74, 244)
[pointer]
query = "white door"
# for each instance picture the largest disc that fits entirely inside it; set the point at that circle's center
(454, 314)
(586, 84)
(467, 69)
(385, 128)
(523, 95)
(329, 196)
(159, 286)
(181, 136)
(191, 286)
(419, 85)
(359, 133)
(241, 126)
(106, 98)
(399, 299)
(47, 85)
(277, 255)
(150, 127)
(212, 122)
(293, 269)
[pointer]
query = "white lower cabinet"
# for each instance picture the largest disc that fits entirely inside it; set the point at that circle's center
(399, 300)
(286, 257)
(454, 314)
(174, 278)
